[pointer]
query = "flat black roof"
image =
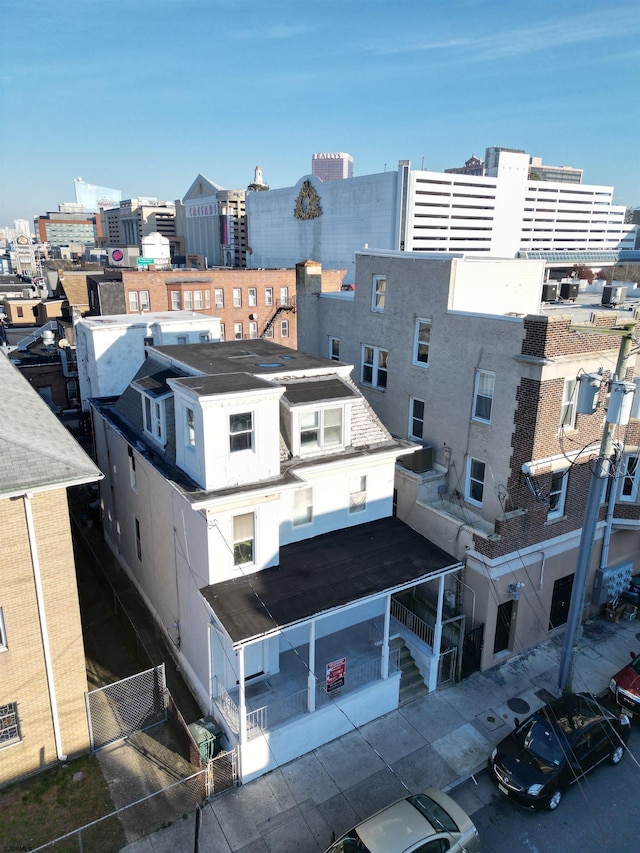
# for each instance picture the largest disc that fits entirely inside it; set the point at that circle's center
(208, 385)
(314, 390)
(258, 356)
(323, 573)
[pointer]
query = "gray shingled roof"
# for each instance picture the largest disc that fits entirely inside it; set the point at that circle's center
(36, 451)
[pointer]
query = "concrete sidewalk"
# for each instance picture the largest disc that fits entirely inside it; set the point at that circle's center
(439, 739)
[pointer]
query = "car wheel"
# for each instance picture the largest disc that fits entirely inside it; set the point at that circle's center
(616, 755)
(554, 800)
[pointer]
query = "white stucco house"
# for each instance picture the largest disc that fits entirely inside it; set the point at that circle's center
(110, 348)
(248, 494)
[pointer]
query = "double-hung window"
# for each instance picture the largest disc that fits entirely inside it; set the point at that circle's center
(378, 293)
(218, 297)
(375, 363)
(253, 329)
(175, 300)
(237, 297)
(237, 331)
(630, 480)
(133, 301)
(284, 328)
(207, 299)
(421, 341)
(9, 728)
(190, 427)
(268, 296)
(474, 481)
(320, 429)
(302, 507)
(154, 418)
(241, 431)
(145, 302)
(568, 409)
(483, 395)
(357, 494)
(284, 296)
(244, 539)
(187, 298)
(252, 296)
(197, 300)
(416, 418)
(557, 494)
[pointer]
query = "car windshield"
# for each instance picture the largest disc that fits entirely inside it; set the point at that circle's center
(434, 813)
(543, 740)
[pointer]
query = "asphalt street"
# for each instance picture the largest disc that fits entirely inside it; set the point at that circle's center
(598, 816)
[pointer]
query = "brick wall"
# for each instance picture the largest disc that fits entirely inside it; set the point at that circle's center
(22, 668)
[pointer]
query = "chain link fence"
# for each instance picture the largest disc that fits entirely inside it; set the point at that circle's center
(127, 706)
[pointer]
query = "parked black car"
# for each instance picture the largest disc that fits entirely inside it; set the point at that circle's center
(555, 747)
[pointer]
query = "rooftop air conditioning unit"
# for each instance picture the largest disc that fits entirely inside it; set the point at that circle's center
(569, 290)
(550, 291)
(420, 461)
(27, 293)
(613, 294)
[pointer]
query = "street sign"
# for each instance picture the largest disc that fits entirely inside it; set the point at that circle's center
(145, 262)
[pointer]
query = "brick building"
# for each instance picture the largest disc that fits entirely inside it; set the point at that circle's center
(42, 668)
(459, 354)
(249, 303)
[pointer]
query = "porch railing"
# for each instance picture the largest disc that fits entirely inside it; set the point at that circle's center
(275, 713)
(418, 626)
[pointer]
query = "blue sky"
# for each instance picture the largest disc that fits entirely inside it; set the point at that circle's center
(142, 95)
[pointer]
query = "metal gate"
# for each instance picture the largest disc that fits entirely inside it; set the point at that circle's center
(447, 666)
(472, 650)
(222, 772)
(134, 704)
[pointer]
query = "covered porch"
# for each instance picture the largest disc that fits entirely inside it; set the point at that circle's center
(327, 616)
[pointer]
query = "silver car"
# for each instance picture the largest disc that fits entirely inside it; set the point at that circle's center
(429, 822)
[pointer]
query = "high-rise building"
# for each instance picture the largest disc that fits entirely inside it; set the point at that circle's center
(93, 197)
(332, 167)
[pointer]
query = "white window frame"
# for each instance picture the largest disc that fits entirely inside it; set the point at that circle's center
(189, 427)
(207, 299)
(284, 328)
(3, 634)
(630, 480)
(197, 300)
(334, 349)
(237, 297)
(357, 493)
(483, 391)
(239, 430)
(187, 300)
(568, 405)
(133, 301)
(472, 482)
(416, 418)
(145, 301)
(221, 331)
(239, 540)
(9, 724)
(253, 329)
(252, 297)
(268, 296)
(319, 429)
(371, 359)
(557, 493)
(303, 507)
(218, 297)
(378, 293)
(284, 296)
(154, 418)
(237, 331)
(175, 300)
(421, 342)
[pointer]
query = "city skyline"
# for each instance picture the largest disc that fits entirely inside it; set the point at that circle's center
(145, 103)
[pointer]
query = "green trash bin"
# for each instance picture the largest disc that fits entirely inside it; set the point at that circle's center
(208, 736)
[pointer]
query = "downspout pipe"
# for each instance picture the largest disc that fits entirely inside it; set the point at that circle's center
(44, 631)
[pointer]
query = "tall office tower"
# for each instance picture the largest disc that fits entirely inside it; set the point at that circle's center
(332, 167)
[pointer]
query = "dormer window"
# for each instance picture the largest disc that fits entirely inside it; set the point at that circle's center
(320, 429)
(241, 431)
(154, 417)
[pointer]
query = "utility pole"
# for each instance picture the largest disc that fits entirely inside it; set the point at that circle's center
(600, 473)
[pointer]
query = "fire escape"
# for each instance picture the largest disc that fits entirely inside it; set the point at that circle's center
(280, 308)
